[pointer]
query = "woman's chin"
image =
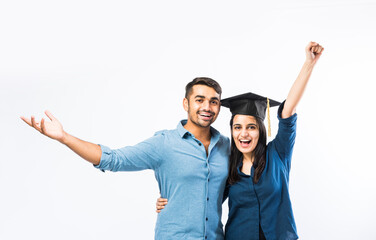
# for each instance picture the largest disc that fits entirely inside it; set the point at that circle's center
(247, 150)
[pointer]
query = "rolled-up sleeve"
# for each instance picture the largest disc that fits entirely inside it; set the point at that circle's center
(285, 138)
(144, 155)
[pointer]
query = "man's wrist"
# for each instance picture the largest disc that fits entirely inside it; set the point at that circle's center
(64, 138)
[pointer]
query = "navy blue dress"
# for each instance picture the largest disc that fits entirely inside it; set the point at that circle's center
(265, 206)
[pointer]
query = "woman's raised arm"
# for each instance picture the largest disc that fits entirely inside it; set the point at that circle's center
(313, 53)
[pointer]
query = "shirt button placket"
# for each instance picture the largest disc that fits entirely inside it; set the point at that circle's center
(207, 193)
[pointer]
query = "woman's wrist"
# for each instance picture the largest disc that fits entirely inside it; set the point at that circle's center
(309, 64)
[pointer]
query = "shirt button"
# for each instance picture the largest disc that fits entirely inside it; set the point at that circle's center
(207, 199)
(206, 219)
(208, 179)
(199, 144)
(206, 237)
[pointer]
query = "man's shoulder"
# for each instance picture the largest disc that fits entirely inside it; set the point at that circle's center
(224, 140)
(221, 136)
(161, 132)
(165, 132)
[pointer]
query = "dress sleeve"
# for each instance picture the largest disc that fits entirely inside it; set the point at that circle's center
(285, 138)
(144, 155)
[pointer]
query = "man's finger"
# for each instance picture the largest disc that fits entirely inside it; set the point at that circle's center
(26, 120)
(34, 124)
(42, 127)
(49, 115)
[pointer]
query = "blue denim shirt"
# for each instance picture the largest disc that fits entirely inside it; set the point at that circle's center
(192, 181)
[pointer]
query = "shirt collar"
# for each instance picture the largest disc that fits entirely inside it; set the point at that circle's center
(181, 130)
(240, 165)
(184, 132)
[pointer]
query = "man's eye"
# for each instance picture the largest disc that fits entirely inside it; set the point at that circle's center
(199, 100)
(236, 128)
(214, 102)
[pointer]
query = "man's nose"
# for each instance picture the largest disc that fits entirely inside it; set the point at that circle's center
(206, 105)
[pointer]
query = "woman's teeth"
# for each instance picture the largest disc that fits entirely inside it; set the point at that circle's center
(245, 143)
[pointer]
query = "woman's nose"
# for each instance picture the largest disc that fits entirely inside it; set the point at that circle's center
(244, 133)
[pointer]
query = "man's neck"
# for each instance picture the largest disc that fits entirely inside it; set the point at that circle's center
(201, 133)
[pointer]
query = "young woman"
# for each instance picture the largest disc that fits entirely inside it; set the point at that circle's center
(259, 201)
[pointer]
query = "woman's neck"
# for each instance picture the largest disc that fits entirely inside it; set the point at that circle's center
(248, 157)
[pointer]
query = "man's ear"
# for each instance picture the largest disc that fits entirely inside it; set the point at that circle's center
(185, 104)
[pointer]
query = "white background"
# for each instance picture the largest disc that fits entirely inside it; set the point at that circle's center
(114, 72)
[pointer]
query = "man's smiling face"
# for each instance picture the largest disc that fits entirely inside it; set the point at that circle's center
(202, 106)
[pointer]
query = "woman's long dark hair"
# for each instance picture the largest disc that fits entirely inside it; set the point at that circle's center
(259, 155)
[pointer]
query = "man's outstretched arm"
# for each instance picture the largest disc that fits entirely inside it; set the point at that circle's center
(89, 151)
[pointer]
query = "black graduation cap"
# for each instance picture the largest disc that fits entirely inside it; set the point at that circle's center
(250, 104)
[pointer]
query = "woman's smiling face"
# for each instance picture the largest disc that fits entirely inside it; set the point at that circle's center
(245, 133)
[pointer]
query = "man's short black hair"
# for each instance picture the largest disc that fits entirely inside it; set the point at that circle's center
(202, 81)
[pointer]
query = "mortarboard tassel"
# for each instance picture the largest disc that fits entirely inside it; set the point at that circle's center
(269, 128)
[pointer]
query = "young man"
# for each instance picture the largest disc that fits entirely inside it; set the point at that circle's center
(190, 163)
